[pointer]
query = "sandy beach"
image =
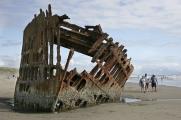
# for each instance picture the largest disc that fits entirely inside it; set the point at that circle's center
(71, 56)
(162, 105)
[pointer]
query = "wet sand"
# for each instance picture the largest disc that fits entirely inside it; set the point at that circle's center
(162, 105)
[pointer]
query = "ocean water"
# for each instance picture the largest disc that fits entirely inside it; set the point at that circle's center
(167, 82)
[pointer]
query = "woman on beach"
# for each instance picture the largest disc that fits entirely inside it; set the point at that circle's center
(147, 81)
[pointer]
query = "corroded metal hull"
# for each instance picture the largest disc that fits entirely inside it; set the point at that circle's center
(45, 86)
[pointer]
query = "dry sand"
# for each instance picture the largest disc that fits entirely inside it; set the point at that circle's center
(162, 105)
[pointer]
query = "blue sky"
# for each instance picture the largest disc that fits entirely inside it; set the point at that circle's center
(150, 29)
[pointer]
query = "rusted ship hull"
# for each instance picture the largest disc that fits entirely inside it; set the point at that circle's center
(45, 86)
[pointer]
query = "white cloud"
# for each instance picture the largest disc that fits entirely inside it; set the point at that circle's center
(141, 14)
(161, 15)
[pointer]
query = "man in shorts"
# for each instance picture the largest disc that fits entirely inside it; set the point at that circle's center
(154, 82)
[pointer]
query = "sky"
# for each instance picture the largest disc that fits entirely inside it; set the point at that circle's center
(149, 29)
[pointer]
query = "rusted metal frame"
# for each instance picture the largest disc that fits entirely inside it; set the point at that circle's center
(104, 50)
(69, 32)
(119, 57)
(71, 52)
(111, 60)
(45, 46)
(95, 69)
(58, 56)
(117, 68)
(96, 28)
(74, 27)
(126, 78)
(122, 75)
(79, 29)
(49, 11)
(131, 70)
(65, 41)
(114, 69)
(45, 51)
(98, 42)
(106, 56)
(122, 69)
(50, 40)
(37, 65)
(73, 33)
(105, 82)
(95, 83)
(110, 63)
(98, 74)
(81, 36)
(128, 68)
(116, 73)
(103, 72)
(72, 73)
(100, 51)
(125, 66)
(78, 83)
(103, 77)
(81, 40)
(122, 80)
(51, 53)
(68, 43)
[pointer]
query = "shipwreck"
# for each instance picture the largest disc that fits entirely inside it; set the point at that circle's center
(45, 86)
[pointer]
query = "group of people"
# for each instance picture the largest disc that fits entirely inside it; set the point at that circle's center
(145, 81)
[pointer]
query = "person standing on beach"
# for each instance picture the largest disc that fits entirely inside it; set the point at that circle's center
(147, 81)
(154, 82)
(142, 84)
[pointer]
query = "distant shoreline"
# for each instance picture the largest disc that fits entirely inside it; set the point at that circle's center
(173, 83)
